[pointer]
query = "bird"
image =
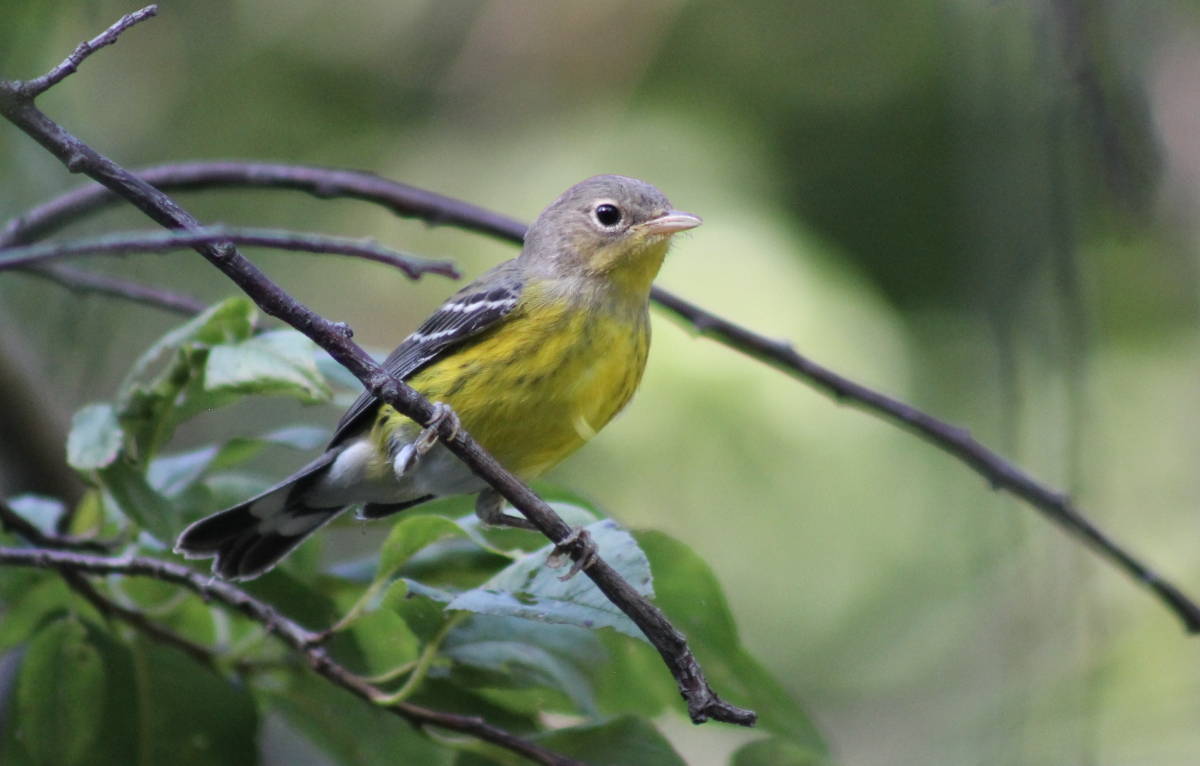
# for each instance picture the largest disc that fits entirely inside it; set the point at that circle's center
(532, 359)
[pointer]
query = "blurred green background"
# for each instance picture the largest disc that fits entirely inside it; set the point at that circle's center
(984, 207)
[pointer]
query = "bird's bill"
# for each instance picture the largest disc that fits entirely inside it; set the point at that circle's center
(673, 222)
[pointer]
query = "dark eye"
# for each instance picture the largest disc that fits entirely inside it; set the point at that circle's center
(608, 215)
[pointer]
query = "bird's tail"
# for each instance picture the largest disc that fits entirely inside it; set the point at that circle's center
(248, 539)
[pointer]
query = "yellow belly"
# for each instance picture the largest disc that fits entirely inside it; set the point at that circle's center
(540, 385)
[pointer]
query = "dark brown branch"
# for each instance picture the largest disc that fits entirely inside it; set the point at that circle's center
(702, 702)
(436, 209)
(295, 636)
(164, 241)
(82, 281)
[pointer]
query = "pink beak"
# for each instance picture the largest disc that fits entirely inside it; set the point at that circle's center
(673, 223)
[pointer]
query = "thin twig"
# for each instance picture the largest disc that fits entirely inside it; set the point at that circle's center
(164, 241)
(702, 702)
(79, 280)
(33, 88)
(298, 638)
(164, 635)
(436, 209)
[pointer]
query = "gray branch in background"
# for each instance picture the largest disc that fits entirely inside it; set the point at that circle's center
(410, 202)
(118, 243)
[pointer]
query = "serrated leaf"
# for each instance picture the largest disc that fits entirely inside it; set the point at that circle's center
(530, 589)
(776, 752)
(60, 694)
(140, 502)
(619, 742)
(96, 437)
(691, 598)
(410, 535)
(279, 363)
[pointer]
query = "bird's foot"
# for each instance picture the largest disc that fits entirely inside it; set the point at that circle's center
(590, 552)
(409, 454)
(489, 507)
(429, 434)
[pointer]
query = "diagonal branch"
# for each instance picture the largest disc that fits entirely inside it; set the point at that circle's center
(702, 702)
(411, 202)
(164, 241)
(295, 636)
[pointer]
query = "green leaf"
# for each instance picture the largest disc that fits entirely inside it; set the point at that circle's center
(279, 362)
(530, 589)
(96, 438)
(174, 474)
(776, 752)
(511, 653)
(140, 502)
(691, 598)
(191, 716)
(422, 608)
(26, 612)
(60, 694)
(229, 321)
(385, 641)
(410, 535)
(619, 742)
(43, 512)
(351, 731)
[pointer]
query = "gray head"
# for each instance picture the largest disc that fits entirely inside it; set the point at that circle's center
(606, 225)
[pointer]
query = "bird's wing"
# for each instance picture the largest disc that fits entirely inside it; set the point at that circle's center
(465, 314)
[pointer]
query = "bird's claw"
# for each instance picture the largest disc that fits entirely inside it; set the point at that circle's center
(429, 434)
(590, 555)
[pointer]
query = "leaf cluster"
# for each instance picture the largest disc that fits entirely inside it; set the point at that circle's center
(448, 615)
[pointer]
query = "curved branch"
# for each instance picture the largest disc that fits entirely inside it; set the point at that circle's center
(411, 202)
(295, 636)
(164, 241)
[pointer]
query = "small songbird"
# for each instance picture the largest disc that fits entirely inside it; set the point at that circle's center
(533, 358)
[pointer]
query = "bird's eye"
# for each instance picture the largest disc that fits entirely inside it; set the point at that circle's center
(608, 215)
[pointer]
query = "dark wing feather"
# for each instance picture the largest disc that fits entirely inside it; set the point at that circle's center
(465, 314)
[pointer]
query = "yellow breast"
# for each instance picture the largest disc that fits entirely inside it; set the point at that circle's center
(543, 382)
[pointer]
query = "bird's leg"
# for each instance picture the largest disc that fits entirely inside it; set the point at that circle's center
(409, 454)
(489, 507)
(591, 552)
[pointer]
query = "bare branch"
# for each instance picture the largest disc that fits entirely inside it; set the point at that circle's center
(296, 637)
(408, 201)
(79, 280)
(702, 702)
(164, 241)
(109, 608)
(34, 88)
